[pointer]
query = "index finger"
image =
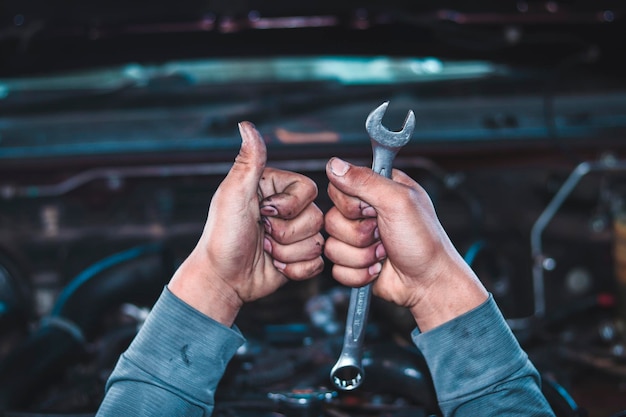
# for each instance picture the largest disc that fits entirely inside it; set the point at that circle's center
(285, 194)
(363, 186)
(351, 207)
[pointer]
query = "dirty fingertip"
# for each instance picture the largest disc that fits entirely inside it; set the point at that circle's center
(375, 269)
(269, 211)
(279, 265)
(339, 167)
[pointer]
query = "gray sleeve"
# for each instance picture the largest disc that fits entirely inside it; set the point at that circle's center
(479, 368)
(173, 366)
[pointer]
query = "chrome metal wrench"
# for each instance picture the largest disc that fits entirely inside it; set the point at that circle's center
(347, 374)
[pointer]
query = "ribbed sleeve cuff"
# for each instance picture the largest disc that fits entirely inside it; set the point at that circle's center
(184, 349)
(471, 352)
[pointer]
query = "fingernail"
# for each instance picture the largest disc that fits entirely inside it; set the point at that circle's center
(376, 233)
(244, 124)
(368, 211)
(267, 225)
(267, 245)
(338, 167)
(380, 252)
(269, 211)
(279, 265)
(375, 269)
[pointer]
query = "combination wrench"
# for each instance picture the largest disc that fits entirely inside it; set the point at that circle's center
(348, 374)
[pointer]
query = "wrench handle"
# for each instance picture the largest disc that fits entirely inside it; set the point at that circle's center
(347, 374)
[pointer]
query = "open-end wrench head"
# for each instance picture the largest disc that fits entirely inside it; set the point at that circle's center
(379, 133)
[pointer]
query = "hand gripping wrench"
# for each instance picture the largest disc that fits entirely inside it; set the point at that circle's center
(347, 374)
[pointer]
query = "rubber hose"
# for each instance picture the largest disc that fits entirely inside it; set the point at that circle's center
(40, 360)
(37, 361)
(138, 278)
(401, 371)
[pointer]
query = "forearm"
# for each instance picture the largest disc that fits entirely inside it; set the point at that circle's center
(192, 284)
(479, 369)
(452, 289)
(176, 360)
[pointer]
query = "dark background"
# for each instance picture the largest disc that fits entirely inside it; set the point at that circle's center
(87, 173)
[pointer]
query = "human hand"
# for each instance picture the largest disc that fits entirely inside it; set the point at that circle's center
(263, 229)
(386, 232)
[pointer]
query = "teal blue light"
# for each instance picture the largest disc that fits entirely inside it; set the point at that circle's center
(348, 70)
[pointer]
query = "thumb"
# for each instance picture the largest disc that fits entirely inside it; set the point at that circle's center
(359, 182)
(250, 162)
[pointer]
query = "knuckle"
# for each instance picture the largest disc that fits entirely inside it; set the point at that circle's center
(306, 270)
(318, 247)
(281, 235)
(329, 249)
(318, 215)
(312, 186)
(317, 267)
(364, 233)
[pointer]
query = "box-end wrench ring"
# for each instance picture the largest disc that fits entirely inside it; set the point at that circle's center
(348, 374)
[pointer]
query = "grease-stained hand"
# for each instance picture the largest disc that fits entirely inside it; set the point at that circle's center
(263, 228)
(386, 232)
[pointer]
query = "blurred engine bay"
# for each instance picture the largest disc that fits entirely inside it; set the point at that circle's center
(104, 190)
